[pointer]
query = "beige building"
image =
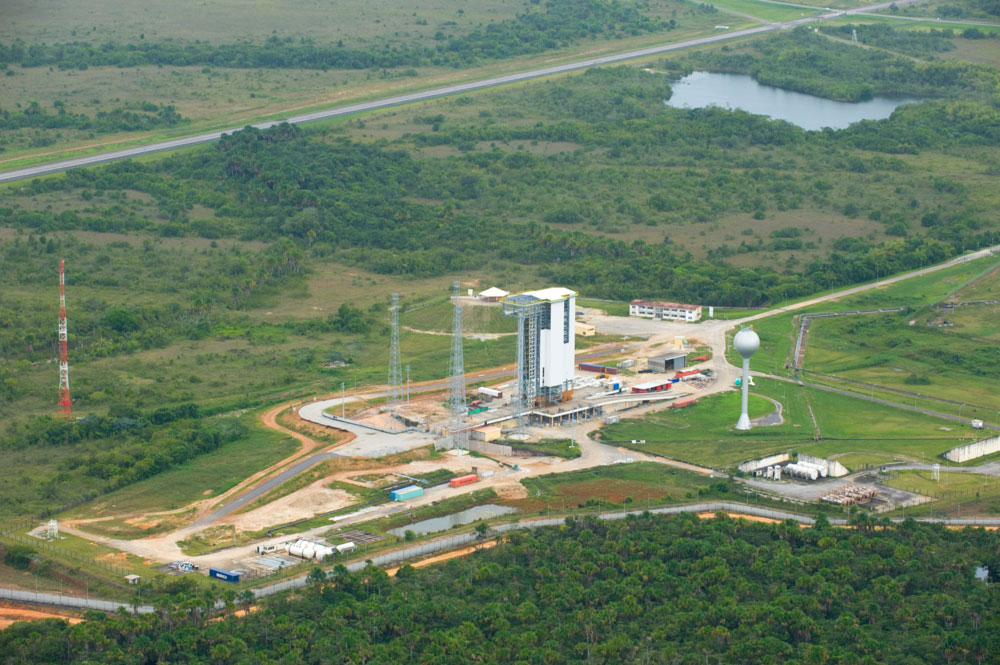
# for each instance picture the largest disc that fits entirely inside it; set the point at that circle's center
(585, 329)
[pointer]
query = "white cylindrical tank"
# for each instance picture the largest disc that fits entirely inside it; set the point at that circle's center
(777, 473)
(295, 549)
(322, 552)
(308, 551)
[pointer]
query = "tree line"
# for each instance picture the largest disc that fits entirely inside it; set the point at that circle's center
(140, 116)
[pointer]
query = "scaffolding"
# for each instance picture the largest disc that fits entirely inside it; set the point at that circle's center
(394, 393)
(529, 312)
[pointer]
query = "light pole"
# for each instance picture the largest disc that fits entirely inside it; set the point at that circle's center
(343, 402)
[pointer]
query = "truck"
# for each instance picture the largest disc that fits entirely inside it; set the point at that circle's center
(977, 424)
(224, 575)
(463, 480)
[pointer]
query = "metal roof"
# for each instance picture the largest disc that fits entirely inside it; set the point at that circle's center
(668, 356)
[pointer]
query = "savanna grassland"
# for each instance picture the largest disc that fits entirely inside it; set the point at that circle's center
(90, 77)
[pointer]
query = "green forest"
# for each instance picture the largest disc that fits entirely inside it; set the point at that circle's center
(641, 590)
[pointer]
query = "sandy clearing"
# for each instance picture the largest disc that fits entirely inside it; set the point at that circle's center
(10, 614)
(454, 554)
(311, 500)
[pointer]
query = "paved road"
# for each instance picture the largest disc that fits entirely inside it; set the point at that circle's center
(209, 137)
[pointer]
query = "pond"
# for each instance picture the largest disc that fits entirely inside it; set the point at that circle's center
(702, 89)
(445, 522)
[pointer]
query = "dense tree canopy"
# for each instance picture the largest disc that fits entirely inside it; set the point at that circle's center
(642, 590)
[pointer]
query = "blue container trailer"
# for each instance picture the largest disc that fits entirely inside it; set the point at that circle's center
(224, 575)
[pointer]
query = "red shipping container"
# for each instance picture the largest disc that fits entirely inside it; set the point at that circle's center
(463, 480)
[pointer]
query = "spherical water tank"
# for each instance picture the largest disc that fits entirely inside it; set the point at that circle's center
(746, 342)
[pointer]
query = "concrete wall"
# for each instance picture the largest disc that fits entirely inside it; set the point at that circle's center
(490, 448)
(763, 463)
(974, 450)
(834, 469)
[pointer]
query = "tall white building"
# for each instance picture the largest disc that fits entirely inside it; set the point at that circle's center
(545, 343)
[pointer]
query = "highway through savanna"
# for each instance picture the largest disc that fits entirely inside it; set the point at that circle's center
(198, 139)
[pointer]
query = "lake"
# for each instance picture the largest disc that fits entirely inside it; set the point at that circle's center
(444, 523)
(702, 89)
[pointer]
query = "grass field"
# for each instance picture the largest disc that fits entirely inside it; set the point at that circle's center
(204, 477)
(633, 485)
(609, 307)
(773, 12)
(216, 98)
(437, 315)
(965, 494)
(558, 447)
(777, 333)
(705, 433)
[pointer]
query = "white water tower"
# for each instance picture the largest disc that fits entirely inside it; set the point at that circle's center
(746, 342)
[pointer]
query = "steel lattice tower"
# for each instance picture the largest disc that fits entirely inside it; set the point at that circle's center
(456, 368)
(528, 313)
(395, 365)
(65, 403)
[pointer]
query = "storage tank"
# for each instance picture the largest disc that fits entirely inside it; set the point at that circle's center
(777, 473)
(308, 551)
(322, 551)
(346, 547)
(295, 549)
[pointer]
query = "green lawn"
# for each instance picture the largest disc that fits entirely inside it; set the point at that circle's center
(438, 315)
(774, 12)
(557, 447)
(610, 307)
(642, 482)
(705, 433)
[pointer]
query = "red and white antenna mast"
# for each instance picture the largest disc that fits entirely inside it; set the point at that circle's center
(64, 401)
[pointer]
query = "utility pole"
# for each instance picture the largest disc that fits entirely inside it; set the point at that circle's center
(65, 403)
(407, 385)
(343, 401)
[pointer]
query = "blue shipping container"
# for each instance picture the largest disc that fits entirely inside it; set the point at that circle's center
(411, 492)
(224, 575)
